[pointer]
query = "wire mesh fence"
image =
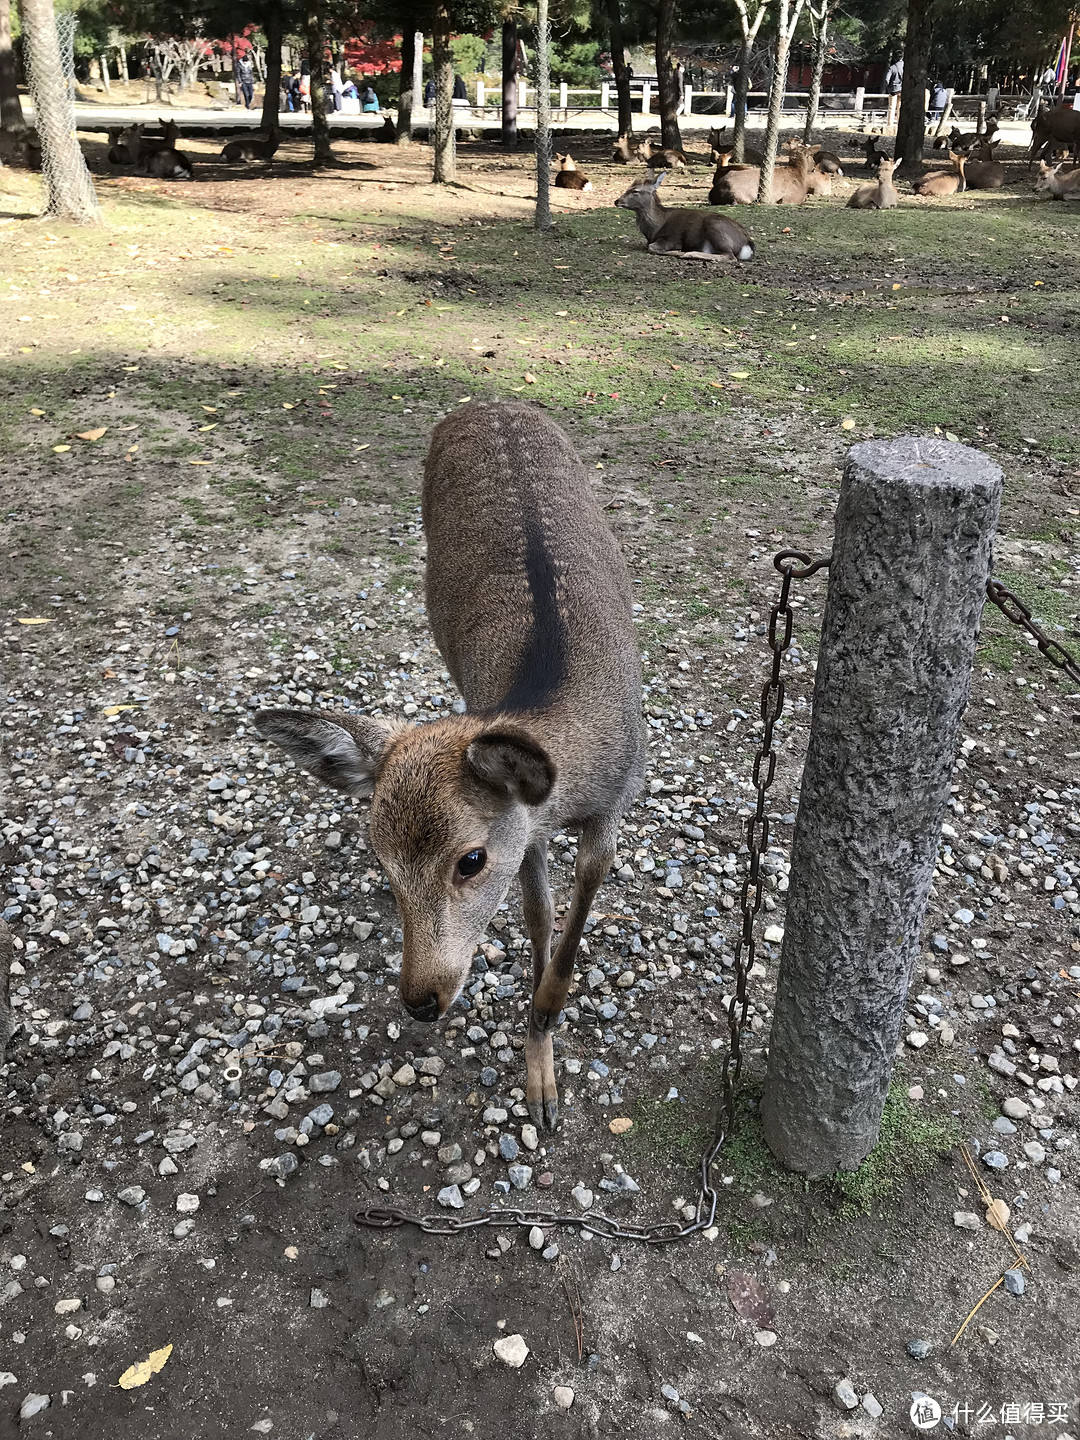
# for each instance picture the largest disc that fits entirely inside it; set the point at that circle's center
(50, 66)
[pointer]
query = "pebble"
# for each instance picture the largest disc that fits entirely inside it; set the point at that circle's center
(1015, 1108)
(282, 1166)
(325, 1082)
(765, 1338)
(512, 1351)
(508, 1147)
(995, 1160)
(537, 1238)
(529, 1137)
(872, 1406)
(450, 1196)
(132, 1195)
(520, 1176)
(1014, 1282)
(317, 1300)
(563, 1396)
(918, 1349)
(844, 1395)
(1035, 1152)
(33, 1405)
(583, 1197)
(187, 1204)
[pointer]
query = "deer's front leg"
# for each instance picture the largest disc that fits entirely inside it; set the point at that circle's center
(538, 910)
(596, 851)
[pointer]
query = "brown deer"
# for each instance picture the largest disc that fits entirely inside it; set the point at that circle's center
(1057, 126)
(625, 151)
(1061, 185)
(252, 147)
(118, 150)
(686, 234)
(945, 182)
(167, 164)
(876, 151)
(827, 161)
(530, 606)
(983, 171)
(568, 176)
(966, 141)
(881, 196)
(661, 159)
(790, 183)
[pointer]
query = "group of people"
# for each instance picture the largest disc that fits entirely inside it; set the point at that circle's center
(297, 90)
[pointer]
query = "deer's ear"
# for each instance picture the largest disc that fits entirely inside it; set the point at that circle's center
(656, 183)
(511, 765)
(342, 755)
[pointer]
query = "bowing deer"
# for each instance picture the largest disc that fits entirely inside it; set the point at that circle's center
(1061, 184)
(530, 606)
(686, 234)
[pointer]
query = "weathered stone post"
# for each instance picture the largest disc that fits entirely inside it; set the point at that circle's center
(914, 528)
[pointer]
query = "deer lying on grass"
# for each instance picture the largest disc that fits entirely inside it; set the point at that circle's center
(1061, 185)
(157, 157)
(722, 151)
(569, 177)
(624, 152)
(791, 184)
(686, 234)
(529, 603)
(983, 171)
(945, 182)
(827, 161)
(881, 196)
(252, 147)
(876, 151)
(661, 159)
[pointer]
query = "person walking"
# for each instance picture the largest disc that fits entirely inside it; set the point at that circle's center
(336, 86)
(894, 83)
(245, 80)
(939, 98)
(305, 87)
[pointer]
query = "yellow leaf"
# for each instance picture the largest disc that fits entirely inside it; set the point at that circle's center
(200, 462)
(210, 409)
(26, 349)
(364, 447)
(739, 374)
(997, 1215)
(898, 287)
(529, 379)
(35, 620)
(130, 369)
(37, 412)
(950, 436)
(847, 423)
(288, 405)
(212, 426)
(136, 1375)
(91, 434)
(59, 449)
(112, 710)
(620, 1125)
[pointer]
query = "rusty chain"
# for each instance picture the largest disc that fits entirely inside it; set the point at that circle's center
(791, 565)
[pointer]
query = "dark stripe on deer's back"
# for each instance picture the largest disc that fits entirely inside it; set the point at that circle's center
(541, 667)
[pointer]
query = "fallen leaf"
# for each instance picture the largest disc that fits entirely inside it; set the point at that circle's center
(847, 423)
(212, 426)
(749, 1298)
(997, 1215)
(136, 1375)
(35, 620)
(739, 374)
(111, 710)
(620, 1125)
(288, 405)
(364, 447)
(898, 287)
(210, 409)
(950, 436)
(200, 462)
(59, 449)
(37, 412)
(91, 434)
(530, 379)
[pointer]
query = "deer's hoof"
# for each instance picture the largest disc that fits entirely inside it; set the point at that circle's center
(551, 1114)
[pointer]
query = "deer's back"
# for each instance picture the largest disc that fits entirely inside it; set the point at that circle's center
(527, 591)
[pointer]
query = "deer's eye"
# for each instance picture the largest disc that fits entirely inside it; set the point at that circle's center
(471, 863)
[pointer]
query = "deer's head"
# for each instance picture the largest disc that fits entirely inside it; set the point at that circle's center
(642, 195)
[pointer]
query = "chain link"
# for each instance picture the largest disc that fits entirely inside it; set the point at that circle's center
(1014, 609)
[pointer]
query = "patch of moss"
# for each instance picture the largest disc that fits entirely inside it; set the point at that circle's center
(910, 1143)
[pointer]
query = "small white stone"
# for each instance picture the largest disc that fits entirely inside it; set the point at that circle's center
(765, 1338)
(536, 1238)
(564, 1397)
(917, 1039)
(67, 1307)
(512, 1351)
(966, 1220)
(187, 1204)
(774, 934)
(872, 1405)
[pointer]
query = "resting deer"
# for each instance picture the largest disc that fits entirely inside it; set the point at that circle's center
(252, 147)
(945, 182)
(1061, 186)
(624, 152)
(984, 171)
(568, 176)
(118, 150)
(686, 234)
(881, 196)
(876, 151)
(790, 183)
(661, 159)
(530, 606)
(827, 161)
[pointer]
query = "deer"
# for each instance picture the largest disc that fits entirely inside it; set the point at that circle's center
(722, 150)
(790, 183)
(827, 161)
(1058, 125)
(118, 150)
(966, 141)
(166, 164)
(984, 171)
(876, 151)
(529, 602)
(661, 159)
(945, 182)
(252, 147)
(881, 196)
(1062, 186)
(568, 176)
(686, 234)
(625, 151)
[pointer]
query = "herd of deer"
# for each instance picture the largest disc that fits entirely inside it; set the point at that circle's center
(157, 154)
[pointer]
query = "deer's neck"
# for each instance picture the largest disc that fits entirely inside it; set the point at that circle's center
(650, 220)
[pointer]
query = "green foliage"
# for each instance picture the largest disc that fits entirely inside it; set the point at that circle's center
(576, 63)
(469, 53)
(910, 1143)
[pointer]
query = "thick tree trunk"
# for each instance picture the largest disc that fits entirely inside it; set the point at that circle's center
(316, 47)
(405, 89)
(11, 116)
(821, 20)
(543, 117)
(69, 189)
(509, 82)
(911, 126)
(271, 107)
(787, 19)
(445, 139)
(742, 89)
(618, 64)
(666, 79)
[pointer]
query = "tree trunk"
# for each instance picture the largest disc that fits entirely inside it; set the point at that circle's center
(405, 88)
(742, 89)
(104, 64)
(445, 140)
(417, 76)
(787, 19)
(820, 46)
(911, 126)
(69, 189)
(543, 117)
(509, 82)
(271, 107)
(618, 64)
(666, 80)
(320, 130)
(123, 73)
(11, 116)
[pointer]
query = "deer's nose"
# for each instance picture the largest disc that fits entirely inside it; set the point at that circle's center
(426, 1010)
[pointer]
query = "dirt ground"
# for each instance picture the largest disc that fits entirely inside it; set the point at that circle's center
(214, 411)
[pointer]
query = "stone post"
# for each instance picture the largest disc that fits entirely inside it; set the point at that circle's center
(912, 555)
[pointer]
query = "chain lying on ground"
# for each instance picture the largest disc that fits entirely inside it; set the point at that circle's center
(791, 565)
